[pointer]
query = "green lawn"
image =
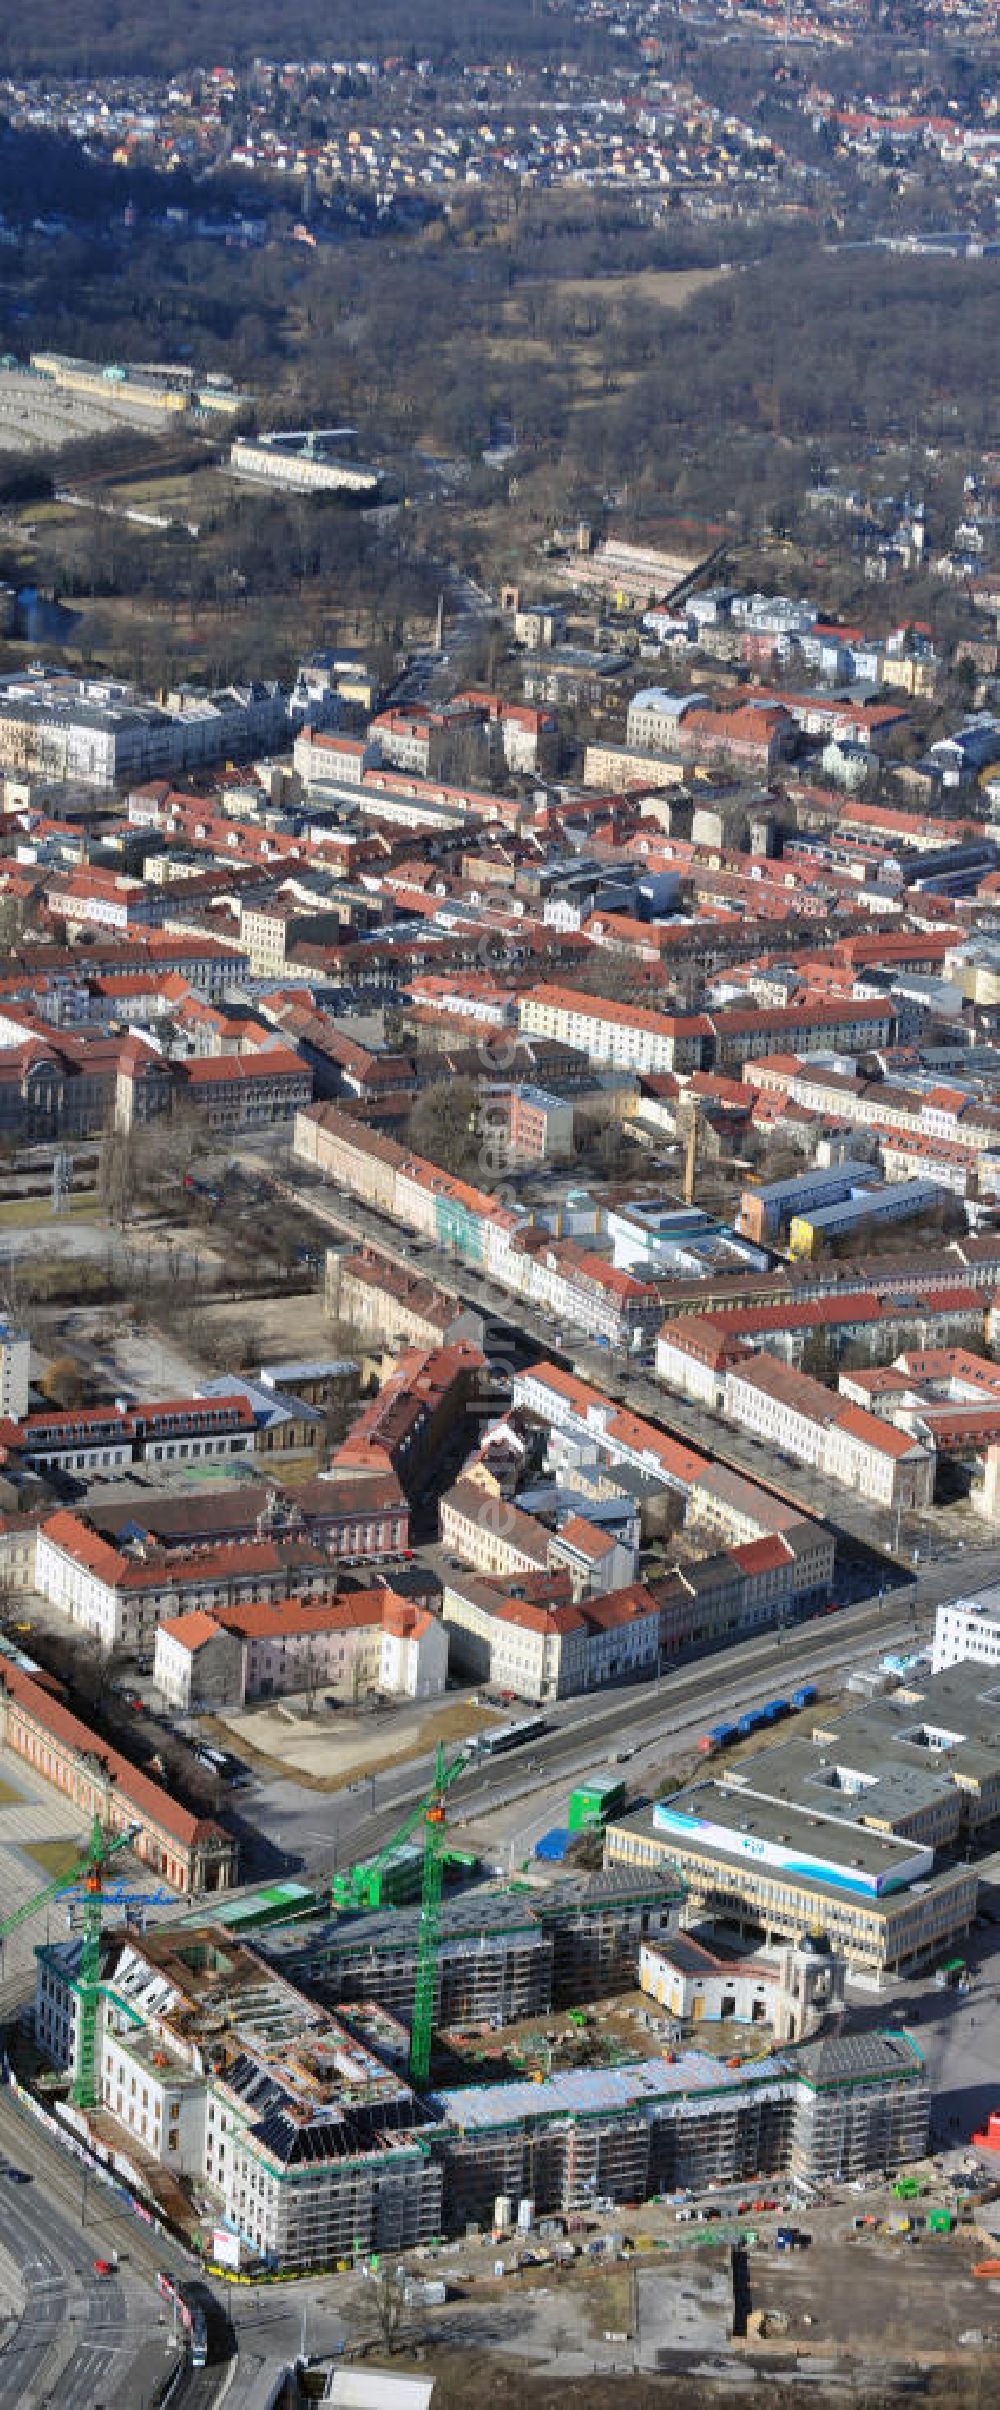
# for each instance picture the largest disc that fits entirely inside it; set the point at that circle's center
(21, 1213)
(54, 1858)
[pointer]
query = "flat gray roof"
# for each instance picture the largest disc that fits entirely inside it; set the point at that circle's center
(640, 1821)
(595, 2092)
(892, 1782)
(809, 1826)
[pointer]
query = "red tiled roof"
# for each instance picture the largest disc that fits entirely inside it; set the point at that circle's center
(137, 1789)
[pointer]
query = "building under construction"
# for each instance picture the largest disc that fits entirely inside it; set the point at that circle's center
(830, 2108)
(501, 1956)
(299, 2122)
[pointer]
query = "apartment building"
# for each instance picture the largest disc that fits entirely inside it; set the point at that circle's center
(592, 1425)
(816, 1022)
(328, 756)
(425, 1398)
(628, 1036)
(632, 1036)
(491, 1533)
(521, 1636)
(385, 1303)
(370, 1642)
(794, 1413)
(121, 1594)
(101, 733)
(457, 1216)
(468, 996)
(616, 768)
(575, 1285)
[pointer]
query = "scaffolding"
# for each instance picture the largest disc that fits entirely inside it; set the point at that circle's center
(388, 2200)
(606, 2158)
(841, 2131)
(493, 1963)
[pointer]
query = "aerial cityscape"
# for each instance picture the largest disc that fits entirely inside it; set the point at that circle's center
(500, 1205)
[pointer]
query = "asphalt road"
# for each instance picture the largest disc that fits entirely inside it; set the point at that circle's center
(81, 2334)
(517, 1329)
(312, 1830)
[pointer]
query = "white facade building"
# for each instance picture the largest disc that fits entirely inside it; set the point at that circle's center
(15, 1372)
(967, 1628)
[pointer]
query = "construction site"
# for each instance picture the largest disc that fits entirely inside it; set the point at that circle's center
(317, 2089)
(684, 2122)
(501, 1956)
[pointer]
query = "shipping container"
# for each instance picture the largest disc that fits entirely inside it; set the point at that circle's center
(718, 1736)
(594, 1801)
(806, 1695)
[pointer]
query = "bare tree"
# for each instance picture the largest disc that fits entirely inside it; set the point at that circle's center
(117, 1176)
(388, 2305)
(310, 1677)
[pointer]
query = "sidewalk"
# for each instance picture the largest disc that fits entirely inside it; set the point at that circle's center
(256, 2384)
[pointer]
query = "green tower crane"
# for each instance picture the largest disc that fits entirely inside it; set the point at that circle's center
(90, 1871)
(357, 1887)
(425, 1988)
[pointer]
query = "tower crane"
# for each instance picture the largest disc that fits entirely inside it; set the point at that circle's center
(89, 1871)
(354, 1888)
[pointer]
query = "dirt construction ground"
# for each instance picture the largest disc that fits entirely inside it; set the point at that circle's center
(877, 2300)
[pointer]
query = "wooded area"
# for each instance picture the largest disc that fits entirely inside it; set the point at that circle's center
(80, 36)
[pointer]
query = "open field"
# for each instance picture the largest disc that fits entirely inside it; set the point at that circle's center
(332, 1747)
(668, 288)
(279, 1326)
(54, 1857)
(876, 2300)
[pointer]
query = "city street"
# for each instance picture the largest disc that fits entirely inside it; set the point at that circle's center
(77, 2334)
(517, 1329)
(652, 1721)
